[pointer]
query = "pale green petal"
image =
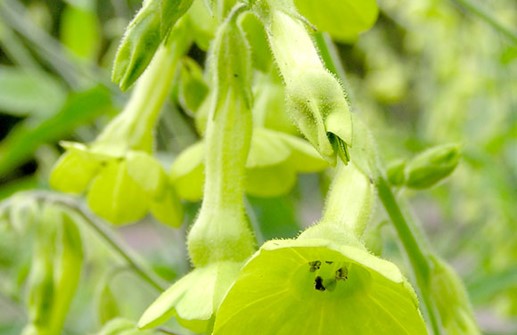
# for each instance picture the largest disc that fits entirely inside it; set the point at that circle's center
(267, 148)
(357, 293)
(74, 170)
(168, 208)
(304, 158)
(270, 181)
(193, 299)
(147, 172)
(116, 197)
(187, 172)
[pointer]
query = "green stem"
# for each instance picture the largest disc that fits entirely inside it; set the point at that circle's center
(330, 56)
(100, 228)
(488, 17)
(415, 248)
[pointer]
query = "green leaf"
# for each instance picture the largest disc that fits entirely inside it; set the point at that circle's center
(344, 20)
(80, 108)
(25, 92)
(80, 31)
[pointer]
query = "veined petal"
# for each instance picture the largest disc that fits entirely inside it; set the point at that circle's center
(325, 288)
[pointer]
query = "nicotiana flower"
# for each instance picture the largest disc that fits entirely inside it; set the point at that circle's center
(120, 189)
(122, 179)
(220, 239)
(325, 280)
(273, 162)
(325, 288)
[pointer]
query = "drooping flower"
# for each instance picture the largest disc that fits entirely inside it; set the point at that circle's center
(117, 171)
(325, 280)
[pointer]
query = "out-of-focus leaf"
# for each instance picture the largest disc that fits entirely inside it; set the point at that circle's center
(342, 19)
(79, 108)
(27, 92)
(80, 31)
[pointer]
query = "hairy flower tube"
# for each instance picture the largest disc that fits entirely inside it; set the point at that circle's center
(220, 239)
(325, 279)
(315, 99)
(122, 179)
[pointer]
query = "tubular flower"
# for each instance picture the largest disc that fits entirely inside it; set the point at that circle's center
(117, 170)
(325, 279)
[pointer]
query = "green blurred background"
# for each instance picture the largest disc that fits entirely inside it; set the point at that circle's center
(429, 72)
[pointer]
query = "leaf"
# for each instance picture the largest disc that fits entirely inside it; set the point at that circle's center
(82, 107)
(344, 20)
(80, 32)
(25, 92)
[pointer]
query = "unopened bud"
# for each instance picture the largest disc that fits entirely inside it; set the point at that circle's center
(431, 166)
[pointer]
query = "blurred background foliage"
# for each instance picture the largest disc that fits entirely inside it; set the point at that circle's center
(429, 72)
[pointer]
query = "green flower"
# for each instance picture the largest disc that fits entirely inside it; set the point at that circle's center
(220, 239)
(325, 279)
(273, 162)
(325, 288)
(193, 299)
(120, 189)
(117, 171)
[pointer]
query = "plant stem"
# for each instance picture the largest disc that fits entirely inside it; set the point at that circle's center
(100, 227)
(488, 17)
(415, 247)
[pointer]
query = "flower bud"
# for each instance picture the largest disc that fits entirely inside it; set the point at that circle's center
(315, 99)
(451, 300)
(431, 166)
(396, 173)
(143, 35)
